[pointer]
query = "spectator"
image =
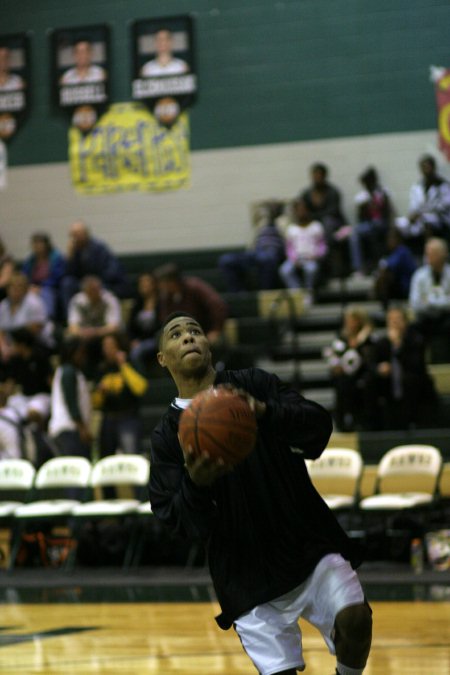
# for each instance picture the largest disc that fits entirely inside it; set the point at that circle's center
(28, 372)
(93, 313)
(324, 203)
(23, 309)
(306, 248)
(350, 357)
(143, 322)
(393, 277)
(373, 215)
(88, 256)
(266, 256)
(429, 203)
(192, 295)
(70, 417)
(7, 267)
(404, 389)
(11, 433)
(117, 394)
(45, 268)
(429, 296)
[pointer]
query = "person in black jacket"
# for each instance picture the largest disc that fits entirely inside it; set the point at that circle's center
(275, 550)
(405, 391)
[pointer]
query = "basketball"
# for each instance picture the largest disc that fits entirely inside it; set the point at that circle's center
(221, 423)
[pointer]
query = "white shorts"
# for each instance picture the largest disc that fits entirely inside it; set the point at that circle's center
(270, 633)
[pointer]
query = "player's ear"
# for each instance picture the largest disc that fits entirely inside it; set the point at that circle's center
(161, 359)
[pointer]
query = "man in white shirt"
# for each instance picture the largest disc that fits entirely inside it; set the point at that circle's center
(165, 63)
(92, 314)
(8, 81)
(84, 72)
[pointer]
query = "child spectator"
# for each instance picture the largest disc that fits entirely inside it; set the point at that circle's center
(306, 248)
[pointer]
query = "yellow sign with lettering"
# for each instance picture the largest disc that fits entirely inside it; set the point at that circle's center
(128, 149)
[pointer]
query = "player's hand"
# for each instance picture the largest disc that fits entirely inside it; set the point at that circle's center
(258, 407)
(203, 470)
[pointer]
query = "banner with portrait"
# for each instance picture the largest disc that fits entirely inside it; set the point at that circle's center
(442, 84)
(14, 82)
(128, 149)
(80, 58)
(164, 71)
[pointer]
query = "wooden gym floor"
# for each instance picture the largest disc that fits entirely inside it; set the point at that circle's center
(163, 623)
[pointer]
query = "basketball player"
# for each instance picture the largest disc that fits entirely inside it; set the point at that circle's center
(165, 63)
(84, 72)
(8, 81)
(276, 553)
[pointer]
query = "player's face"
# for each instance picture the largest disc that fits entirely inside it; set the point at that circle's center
(163, 42)
(184, 347)
(4, 59)
(82, 54)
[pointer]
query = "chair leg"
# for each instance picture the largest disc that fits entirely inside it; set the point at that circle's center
(16, 540)
(70, 561)
(133, 542)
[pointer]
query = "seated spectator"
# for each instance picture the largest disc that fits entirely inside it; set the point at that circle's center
(429, 204)
(404, 390)
(11, 430)
(27, 374)
(93, 313)
(143, 322)
(117, 394)
(429, 295)
(88, 256)
(393, 277)
(7, 267)
(306, 248)
(373, 216)
(44, 269)
(324, 203)
(23, 309)
(266, 255)
(192, 295)
(350, 358)
(70, 415)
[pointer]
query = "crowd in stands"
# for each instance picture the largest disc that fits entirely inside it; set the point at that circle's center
(66, 346)
(405, 259)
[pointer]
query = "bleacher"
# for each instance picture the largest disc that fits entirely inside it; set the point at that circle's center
(273, 330)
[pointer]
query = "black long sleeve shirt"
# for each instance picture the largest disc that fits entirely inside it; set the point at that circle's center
(265, 525)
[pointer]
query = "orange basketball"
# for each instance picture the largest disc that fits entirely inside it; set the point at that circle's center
(220, 423)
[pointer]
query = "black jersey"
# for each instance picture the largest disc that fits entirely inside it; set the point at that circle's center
(264, 524)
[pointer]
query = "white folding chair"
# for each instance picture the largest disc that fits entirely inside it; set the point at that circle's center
(53, 480)
(336, 475)
(407, 478)
(16, 482)
(115, 471)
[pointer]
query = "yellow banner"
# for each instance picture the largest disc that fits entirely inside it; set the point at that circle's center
(129, 150)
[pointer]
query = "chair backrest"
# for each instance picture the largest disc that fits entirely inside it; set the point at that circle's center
(409, 468)
(16, 474)
(62, 472)
(336, 471)
(120, 470)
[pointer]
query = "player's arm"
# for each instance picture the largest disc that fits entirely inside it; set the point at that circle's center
(186, 507)
(294, 419)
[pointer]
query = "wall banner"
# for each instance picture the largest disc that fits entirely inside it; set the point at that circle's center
(442, 84)
(128, 149)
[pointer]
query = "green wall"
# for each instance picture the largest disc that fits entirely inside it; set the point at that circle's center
(269, 71)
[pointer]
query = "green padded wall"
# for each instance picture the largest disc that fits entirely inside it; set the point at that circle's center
(269, 71)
